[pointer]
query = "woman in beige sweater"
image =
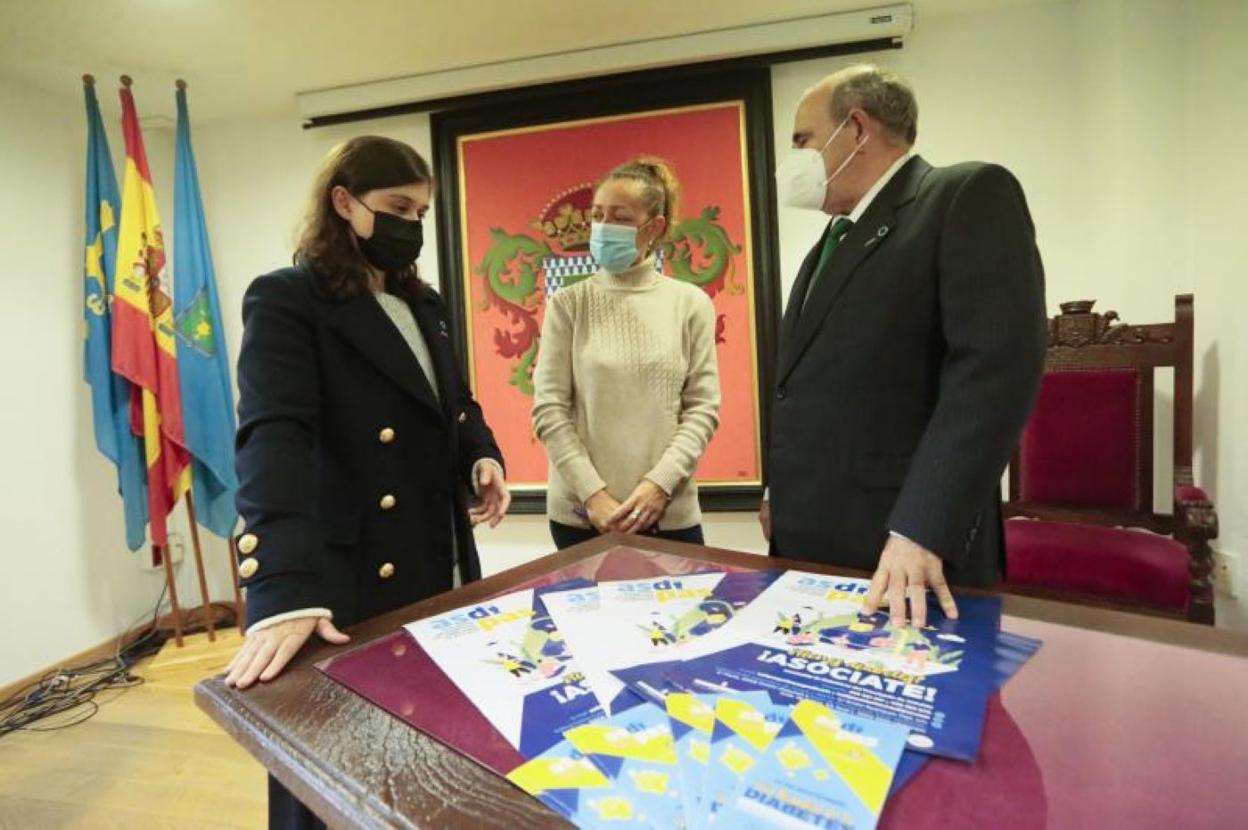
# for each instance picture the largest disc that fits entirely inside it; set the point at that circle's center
(627, 387)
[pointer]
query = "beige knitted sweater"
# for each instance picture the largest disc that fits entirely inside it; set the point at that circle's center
(626, 388)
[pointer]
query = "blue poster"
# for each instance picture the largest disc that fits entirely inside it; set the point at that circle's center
(805, 638)
(651, 620)
(1013, 650)
(510, 660)
(732, 593)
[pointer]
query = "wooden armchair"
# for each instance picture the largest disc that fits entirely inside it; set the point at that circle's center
(1082, 522)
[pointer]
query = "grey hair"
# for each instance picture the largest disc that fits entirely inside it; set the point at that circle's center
(881, 94)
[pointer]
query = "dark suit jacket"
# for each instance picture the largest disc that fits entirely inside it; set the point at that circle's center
(319, 380)
(906, 380)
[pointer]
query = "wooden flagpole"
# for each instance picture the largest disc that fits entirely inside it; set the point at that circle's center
(171, 583)
(199, 568)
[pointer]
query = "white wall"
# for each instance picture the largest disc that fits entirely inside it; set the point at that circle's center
(1120, 118)
(1216, 116)
(68, 581)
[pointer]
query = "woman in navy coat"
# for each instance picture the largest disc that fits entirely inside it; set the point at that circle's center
(363, 460)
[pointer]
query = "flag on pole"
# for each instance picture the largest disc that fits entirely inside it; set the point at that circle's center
(110, 393)
(144, 348)
(203, 365)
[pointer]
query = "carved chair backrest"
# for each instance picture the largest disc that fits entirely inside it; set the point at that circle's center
(1089, 440)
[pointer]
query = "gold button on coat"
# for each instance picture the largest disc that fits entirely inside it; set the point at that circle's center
(247, 544)
(386, 435)
(248, 568)
(388, 502)
(386, 571)
(463, 417)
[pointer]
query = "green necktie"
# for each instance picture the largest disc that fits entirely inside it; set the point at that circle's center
(830, 243)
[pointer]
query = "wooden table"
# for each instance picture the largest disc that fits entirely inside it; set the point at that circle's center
(1132, 721)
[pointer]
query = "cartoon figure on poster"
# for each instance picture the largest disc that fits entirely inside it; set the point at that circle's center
(904, 648)
(543, 654)
(509, 658)
(697, 622)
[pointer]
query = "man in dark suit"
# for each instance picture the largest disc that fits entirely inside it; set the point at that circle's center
(910, 352)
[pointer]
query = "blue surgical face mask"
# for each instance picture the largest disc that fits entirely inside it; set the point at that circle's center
(614, 247)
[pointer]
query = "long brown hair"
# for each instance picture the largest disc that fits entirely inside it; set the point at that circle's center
(326, 243)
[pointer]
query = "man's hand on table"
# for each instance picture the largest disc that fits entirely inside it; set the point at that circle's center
(907, 570)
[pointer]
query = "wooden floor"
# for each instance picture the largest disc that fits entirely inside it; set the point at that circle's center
(147, 759)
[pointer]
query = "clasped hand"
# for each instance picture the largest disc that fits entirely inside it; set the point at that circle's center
(636, 514)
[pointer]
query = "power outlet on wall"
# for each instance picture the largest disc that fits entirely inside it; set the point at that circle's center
(175, 549)
(1226, 573)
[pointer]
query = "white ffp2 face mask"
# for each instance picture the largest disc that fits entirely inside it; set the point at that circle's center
(800, 179)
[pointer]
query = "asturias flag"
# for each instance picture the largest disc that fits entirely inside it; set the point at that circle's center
(203, 366)
(110, 393)
(144, 349)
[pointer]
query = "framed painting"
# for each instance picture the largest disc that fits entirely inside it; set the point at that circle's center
(516, 185)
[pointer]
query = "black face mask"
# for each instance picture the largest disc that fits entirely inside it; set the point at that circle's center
(395, 243)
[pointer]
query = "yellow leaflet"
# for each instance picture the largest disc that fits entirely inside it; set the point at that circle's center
(857, 764)
(747, 721)
(543, 774)
(737, 760)
(791, 756)
(650, 745)
(650, 781)
(690, 711)
(613, 808)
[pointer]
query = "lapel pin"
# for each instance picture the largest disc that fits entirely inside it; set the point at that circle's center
(879, 234)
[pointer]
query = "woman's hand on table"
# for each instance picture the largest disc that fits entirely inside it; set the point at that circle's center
(266, 651)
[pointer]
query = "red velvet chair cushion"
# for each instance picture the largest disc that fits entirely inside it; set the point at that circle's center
(1081, 445)
(1189, 494)
(1112, 563)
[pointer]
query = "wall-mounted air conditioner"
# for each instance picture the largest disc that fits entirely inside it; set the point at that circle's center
(785, 36)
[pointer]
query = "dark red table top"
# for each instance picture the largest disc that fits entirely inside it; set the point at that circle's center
(1119, 721)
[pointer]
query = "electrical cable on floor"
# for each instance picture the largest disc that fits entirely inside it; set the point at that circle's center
(72, 692)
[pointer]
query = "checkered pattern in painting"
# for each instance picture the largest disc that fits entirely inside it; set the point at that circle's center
(563, 271)
(560, 271)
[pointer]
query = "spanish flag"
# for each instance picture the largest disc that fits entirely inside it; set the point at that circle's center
(110, 393)
(144, 350)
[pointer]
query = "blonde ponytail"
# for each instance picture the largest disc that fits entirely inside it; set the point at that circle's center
(660, 187)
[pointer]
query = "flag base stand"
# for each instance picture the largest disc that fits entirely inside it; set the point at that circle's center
(195, 620)
(199, 563)
(171, 585)
(210, 610)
